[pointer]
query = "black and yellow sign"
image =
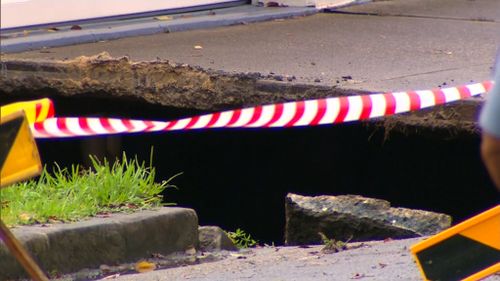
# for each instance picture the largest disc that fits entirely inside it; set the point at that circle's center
(468, 251)
(19, 158)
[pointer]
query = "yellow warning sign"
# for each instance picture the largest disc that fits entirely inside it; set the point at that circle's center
(35, 110)
(468, 251)
(19, 158)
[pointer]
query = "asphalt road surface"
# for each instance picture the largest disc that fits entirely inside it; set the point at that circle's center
(382, 46)
(373, 261)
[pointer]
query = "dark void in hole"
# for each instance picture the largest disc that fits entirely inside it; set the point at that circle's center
(239, 178)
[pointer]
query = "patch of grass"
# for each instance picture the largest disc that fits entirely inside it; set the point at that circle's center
(242, 239)
(73, 194)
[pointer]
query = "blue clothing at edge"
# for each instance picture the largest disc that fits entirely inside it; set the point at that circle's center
(490, 115)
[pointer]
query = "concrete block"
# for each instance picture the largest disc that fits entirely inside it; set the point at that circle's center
(66, 248)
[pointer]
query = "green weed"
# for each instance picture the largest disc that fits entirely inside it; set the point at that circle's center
(332, 245)
(241, 239)
(73, 194)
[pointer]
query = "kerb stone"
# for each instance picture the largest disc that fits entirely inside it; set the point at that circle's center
(66, 248)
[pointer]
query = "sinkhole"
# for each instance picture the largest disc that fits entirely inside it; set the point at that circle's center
(238, 178)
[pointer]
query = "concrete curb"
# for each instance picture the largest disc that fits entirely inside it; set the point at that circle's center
(66, 248)
(110, 32)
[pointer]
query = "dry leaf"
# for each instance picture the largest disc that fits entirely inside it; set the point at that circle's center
(76, 27)
(144, 266)
(26, 32)
(24, 217)
(52, 29)
(238, 256)
(163, 18)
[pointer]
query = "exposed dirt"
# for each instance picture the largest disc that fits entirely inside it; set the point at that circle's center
(185, 87)
(156, 82)
(447, 121)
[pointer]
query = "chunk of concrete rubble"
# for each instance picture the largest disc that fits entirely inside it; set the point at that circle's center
(213, 238)
(355, 218)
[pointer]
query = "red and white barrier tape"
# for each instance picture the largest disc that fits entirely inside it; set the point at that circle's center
(290, 114)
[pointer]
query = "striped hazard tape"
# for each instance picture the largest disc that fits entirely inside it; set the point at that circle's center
(290, 114)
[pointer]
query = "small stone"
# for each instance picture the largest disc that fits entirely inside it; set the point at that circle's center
(213, 238)
(191, 251)
(317, 80)
(105, 268)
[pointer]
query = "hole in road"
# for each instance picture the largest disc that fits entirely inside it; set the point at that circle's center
(239, 178)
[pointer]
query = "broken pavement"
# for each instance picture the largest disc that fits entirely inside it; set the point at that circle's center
(380, 46)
